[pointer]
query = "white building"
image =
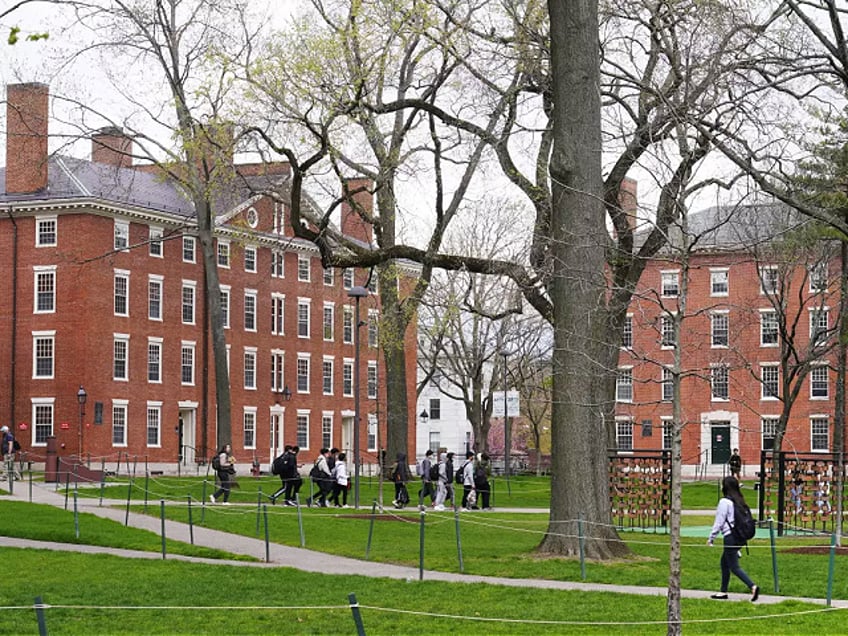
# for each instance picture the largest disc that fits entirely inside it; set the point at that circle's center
(441, 422)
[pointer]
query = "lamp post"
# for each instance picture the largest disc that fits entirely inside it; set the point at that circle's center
(356, 292)
(424, 416)
(81, 397)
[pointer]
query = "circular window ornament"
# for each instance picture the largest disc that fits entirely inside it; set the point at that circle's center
(252, 217)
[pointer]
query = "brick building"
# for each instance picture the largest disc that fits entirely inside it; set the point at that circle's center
(757, 311)
(104, 292)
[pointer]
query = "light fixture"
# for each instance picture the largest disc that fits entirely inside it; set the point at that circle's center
(424, 416)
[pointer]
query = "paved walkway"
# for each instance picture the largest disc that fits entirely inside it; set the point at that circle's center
(310, 560)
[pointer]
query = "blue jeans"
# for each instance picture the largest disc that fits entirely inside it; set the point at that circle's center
(730, 563)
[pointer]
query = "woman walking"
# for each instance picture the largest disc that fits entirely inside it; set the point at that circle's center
(226, 470)
(724, 519)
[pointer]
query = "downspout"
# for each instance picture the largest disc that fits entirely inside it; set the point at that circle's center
(14, 329)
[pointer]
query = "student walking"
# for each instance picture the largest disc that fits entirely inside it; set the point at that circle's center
(341, 481)
(467, 471)
(724, 520)
(226, 469)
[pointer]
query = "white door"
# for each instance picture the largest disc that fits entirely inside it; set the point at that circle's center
(188, 436)
(276, 437)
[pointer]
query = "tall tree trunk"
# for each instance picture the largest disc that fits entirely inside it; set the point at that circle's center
(580, 466)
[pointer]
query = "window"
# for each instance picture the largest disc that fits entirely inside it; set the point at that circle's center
(347, 277)
(819, 385)
(627, 333)
(819, 434)
(371, 285)
(43, 348)
(119, 423)
(45, 232)
(42, 417)
(329, 317)
(373, 323)
(327, 376)
(302, 317)
(719, 329)
(154, 423)
(223, 253)
(372, 380)
(768, 328)
(624, 434)
(670, 283)
(719, 282)
(277, 375)
(187, 363)
(225, 306)
(818, 326)
(329, 276)
(435, 442)
(249, 428)
(188, 302)
(45, 289)
(154, 297)
(624, 385)
(303, 268)
(122, 293)
(327, 430)
(302, 373)
(668, 335)
(347, 378)
(155, 242)
(667, 385)
(121, 352)
(278, 264)
(250, 368)
(372, 432)
(278, 302)
(818, 278)
(250, 310)
(719, 382)
(769, 280)
(154, 360)
(347, 324)
(189, 246)
(770, 379)
(768, 427)
(303, 430)
(250, 259)
(435, 408)
(122, 235)
(668, 433)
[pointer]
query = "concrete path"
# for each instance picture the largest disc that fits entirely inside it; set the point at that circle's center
(310, 560)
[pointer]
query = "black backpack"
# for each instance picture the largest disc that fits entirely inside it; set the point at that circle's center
(278, 464)
(479, 474)
(216, 461)
(434, 472)
(449, 471)
(16, 445)
(744, 527)
(460, 474)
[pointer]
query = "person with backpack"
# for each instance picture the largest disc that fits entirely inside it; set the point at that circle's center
(449, 477)
(466, 473)
(399, 475)
(735, 464)
(225, 470)
(323, 478)
(340, 481)
(278, 467)
(423, 469)
(734, 521)
(482, 471)
(441, 482)
(292, 477)
(10, 447)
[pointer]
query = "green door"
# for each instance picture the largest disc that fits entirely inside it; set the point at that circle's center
(720, 434)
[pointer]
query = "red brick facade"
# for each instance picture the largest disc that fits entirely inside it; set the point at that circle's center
(146, 363)
(713, 425)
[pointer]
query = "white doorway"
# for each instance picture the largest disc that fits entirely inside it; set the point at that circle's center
(277, 433)
(347, 437)
(187, 436)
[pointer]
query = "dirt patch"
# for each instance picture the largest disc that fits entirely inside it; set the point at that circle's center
(816, 549)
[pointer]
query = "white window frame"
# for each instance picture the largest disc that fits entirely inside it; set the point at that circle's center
(373, 324)
(154, 344)
(624, 385)
(121, 339)
(820, 387)
(47, 231)
(156, 247)
(371, 443)
(250, 259)
(122, 236)
(819, 329)
(249, 427)
(720, 329)
(153, 424)
(304, 317)
(188, 286)
(225, 304)
(302, 372)
(189, 249)
(347, 377)
(327, 429)
(347, 324)
(769, 320)
(37, 338)
(328, 320)
(222, 254)
(120, 407)
(278, 314)
(188, 349)
(43, 419)
(666, 385)
(769, 386)
(278, 264)
(251, 303)
(278, 370)
(121, 275)
(328, 368)
(155, 281)
(716, 381)
(302, 428)
(719, 282)
(668, 331)
(623, 433)
(816, 423)
(304, 268)
(46, 273)
(329, 276)
(627, 332)
(670, 283)
(249, 366)
(769, 279)
(348, 278)
(372, 380)
(818, 277)
(768, 430)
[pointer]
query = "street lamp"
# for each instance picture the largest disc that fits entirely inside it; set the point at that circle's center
(286, 393)
(424, 416)
(356, 292)
(81, 397)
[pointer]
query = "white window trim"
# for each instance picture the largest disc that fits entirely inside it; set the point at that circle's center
(771, 312)
(827, 418)
(189, 344)
(251, 351)
(122, 404)
(304, 258)
(255, 251)
(156, 278)
(763, 396)
(46, 219)
(719, 270)
(158, 406)
(124, 227)
(625, 419)
(222, 248)
(825, 366)
(726, 314)
(250, 410)
(156, 234)
(193, 241)
(124, 337)
(123, 273)
(663, 274)
(35, 336)
(254, 294)
(161, 342)
(43, 269)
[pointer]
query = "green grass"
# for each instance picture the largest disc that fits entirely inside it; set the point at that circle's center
(238, 600)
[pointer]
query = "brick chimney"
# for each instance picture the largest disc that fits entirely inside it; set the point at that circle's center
(27, 109)
(112, 146)
(358, 195)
